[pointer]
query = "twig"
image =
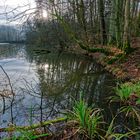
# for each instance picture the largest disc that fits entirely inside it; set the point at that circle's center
(12, 91)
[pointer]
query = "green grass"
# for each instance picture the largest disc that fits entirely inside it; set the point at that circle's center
(131, 111)
(111, 134)
(90, 123)
(27, 135)
(128, 93)
(88, 119)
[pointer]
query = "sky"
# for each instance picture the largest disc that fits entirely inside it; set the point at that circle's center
(14, 3)
(9, 5)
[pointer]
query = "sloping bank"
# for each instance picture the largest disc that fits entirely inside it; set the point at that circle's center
(125, 67)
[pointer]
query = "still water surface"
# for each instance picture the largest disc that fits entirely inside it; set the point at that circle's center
(45, 84)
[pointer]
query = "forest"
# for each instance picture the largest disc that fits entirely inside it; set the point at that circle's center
(84, 59)
(88, 23)
(11, 34)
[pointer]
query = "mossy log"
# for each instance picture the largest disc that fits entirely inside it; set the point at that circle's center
(31, 127)
(94, 50)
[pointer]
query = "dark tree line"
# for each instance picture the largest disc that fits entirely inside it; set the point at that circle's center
(9, 33)
(87, 23)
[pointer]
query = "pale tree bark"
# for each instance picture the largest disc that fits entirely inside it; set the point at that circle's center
(126, 36)
(112, 23)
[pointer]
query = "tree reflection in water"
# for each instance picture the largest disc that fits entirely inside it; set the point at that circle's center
(58, 80)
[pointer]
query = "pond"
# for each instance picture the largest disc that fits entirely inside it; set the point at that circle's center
(45, 84)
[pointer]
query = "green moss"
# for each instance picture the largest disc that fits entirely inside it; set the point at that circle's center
(127, 48)
(116, 58)
(34, 126)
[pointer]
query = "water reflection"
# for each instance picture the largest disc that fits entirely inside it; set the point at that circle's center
(45, 84)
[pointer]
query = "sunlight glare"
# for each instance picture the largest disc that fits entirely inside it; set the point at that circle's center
(45, 14)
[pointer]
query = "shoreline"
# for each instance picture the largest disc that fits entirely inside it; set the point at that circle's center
(125, 68)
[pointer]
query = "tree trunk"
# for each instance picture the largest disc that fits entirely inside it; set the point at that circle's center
(102, 22)
(126, 36)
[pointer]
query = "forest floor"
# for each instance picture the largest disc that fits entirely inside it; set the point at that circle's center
(125, 68)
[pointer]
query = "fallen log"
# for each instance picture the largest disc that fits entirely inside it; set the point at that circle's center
(12, 128)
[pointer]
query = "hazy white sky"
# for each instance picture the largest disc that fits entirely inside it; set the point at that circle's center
(8, 5)
(14, 3)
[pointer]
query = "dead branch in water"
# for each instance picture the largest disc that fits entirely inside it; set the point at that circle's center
(12, 92)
